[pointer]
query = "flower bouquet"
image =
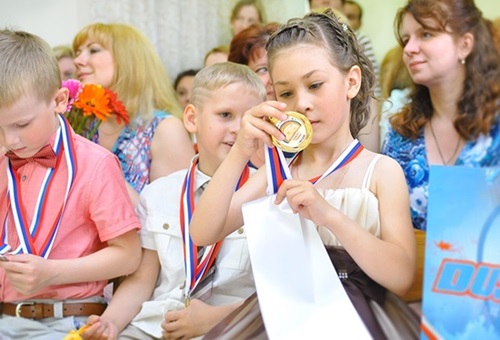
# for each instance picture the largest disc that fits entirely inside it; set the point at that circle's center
(91, 104)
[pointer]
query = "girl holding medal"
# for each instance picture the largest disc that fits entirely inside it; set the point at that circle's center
(357, 199)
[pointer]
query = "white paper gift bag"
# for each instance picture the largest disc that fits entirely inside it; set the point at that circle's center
(299, 291)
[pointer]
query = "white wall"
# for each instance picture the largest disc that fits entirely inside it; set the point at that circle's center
(57, 21)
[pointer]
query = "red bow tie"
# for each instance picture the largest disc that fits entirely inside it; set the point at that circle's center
(46, 157)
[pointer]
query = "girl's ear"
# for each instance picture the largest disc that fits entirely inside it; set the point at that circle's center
(465, 44)
(61, 99)
(354, 81)
(189, 118)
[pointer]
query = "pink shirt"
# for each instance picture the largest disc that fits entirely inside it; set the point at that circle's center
(98, 209)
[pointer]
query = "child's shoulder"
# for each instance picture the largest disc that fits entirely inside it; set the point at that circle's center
(88, 149)
(372, 170)
(370, 164)
(163, 194)
(164, 185)
(380, 162)
(387, 163)
(384, 169)
(95, 162)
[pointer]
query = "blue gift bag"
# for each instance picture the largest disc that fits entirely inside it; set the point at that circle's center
(461, 293)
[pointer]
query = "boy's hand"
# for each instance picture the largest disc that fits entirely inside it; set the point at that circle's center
(255, 126)
(27, 273)
(187, 323)
(100, 329)
(304, 198)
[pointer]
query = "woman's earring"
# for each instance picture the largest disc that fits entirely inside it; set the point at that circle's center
(462, 61)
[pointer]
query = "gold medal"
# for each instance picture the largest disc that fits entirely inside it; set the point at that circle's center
(297, 130)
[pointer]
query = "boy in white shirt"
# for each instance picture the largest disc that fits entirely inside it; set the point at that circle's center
(154, 301)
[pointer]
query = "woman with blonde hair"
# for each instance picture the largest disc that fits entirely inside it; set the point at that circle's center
(155, 142)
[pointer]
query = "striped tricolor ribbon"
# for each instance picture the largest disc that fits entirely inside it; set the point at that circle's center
(28, 233)
(195, 269)
(278, 170)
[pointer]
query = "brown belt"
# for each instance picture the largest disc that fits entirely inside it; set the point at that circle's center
(33, 310)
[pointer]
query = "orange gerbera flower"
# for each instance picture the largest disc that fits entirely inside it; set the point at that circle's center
(91, 104)
(94, 100)
(118, 109)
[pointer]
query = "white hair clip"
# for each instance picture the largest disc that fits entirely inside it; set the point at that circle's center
(344, 27)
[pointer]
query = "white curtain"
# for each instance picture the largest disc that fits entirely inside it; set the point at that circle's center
(184, 30)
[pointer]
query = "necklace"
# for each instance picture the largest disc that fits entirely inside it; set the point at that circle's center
(445, 162)
(344, 165)
(345, 169)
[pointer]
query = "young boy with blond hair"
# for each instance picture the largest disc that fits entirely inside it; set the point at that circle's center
(67, 223)
(172, 294)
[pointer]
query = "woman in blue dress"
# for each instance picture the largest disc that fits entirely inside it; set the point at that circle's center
(453, 114)
(155, 142)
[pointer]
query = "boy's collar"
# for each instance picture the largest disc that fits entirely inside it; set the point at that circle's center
(200, 178)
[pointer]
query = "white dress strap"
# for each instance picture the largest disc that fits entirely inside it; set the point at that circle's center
(369, 172)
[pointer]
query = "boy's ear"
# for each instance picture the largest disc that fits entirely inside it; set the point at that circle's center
(189, 117)
(354, 81)
(61, 99)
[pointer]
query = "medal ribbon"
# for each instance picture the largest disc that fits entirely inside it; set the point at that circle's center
(28, 234)
(278, 170)
(4, 244)
(195, 268)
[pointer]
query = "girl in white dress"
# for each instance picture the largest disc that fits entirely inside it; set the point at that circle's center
(361, 209)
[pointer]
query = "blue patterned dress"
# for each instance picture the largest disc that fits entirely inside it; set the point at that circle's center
(133, 149)
(411, 155)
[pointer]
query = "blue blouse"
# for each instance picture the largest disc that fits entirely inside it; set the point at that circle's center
(411, 155)
(133, 149)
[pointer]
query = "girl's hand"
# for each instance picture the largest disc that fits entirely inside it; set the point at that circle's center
(255, 126)
(305, 199)
(99, 329)
(28, 273)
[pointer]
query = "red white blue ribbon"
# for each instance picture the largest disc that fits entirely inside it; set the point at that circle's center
(195, 269)
(28, 233)
(278, 170)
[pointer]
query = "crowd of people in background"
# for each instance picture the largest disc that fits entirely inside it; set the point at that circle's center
(160, 197)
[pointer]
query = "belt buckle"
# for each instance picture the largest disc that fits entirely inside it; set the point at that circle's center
(20, 305)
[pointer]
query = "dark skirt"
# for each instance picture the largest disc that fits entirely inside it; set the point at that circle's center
(385, 315)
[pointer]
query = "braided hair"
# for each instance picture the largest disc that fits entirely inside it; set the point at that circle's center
(325, 31)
